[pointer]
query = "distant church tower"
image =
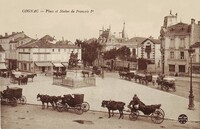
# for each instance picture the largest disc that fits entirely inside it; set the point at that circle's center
(170, 20)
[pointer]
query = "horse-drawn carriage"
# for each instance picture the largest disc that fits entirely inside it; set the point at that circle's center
(166, 83)
(154, 111)
(143, 78)
(127, 74)
(21, 78)
(12, 96)
(75, 102)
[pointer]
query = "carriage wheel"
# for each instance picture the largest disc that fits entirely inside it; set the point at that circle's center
(85, 106)
(157, 117)
(78, 109)
(13, 101)
(134, 115)
(161, 111)
(60, 107)
(165, 88)
(22, 100)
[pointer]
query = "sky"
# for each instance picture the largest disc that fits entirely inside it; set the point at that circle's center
(143, 18)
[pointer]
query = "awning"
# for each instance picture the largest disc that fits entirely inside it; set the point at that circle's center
(65, 64)
(42, 64)
(2, 66)
(58, 65)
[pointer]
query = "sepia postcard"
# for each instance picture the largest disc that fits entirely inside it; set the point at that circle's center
(101, 64)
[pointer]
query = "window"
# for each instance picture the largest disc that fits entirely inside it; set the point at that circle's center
(181, 68)
(171, 55)
(1, 60)
(52, 50)
(171, 68)
(182, 43)
(182, 55)
(172, 43)
(133, 51)
(159, 64)
(58, 49)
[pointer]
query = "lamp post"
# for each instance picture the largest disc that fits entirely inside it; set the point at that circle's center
(162, 50)
(102, 66)
(191, 96)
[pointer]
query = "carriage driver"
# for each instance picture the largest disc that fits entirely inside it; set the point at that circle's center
(133, 105)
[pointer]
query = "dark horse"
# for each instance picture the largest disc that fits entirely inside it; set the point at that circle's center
(85, 73)
(113, 105)
(32, 75)
(45, 99)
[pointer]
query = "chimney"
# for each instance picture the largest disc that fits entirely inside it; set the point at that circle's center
(6, 34)
(192, 21)
(198, 22)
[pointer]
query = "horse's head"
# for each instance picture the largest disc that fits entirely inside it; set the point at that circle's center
(104, 103)
(158, 106)
(38, 96)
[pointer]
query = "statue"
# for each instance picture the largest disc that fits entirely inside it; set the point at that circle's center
(73, 61)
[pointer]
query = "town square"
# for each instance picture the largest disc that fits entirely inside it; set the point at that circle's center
(90, 67)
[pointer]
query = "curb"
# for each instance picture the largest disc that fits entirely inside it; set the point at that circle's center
(115, 113)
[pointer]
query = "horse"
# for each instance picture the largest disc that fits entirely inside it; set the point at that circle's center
(85, 73)
(32, 75)
(45, 99)
(114, 105)
(55, 100)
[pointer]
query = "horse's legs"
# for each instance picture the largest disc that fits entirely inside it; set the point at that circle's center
(112, 113)
(43, 106)
(109, 113)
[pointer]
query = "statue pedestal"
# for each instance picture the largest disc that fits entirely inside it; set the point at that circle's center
(74, 78)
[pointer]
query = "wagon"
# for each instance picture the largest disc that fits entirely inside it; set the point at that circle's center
(127, 74)
(143, 78)
(74, 102)
(168, 83)
(12, 96)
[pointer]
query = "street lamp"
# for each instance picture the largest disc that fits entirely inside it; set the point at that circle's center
(102, 65)
(191, 96)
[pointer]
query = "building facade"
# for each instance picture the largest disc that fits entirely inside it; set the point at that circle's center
(44, 55)
(196, 58)
(2, 58)
(150, 49)
(10, 43)
(176, 38)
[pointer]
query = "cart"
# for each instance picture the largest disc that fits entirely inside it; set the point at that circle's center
(12, 96)
(167, 83)
(74, 102)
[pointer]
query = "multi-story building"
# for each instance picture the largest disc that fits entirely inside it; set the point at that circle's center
(10, 43)
(45, 55)
(2, 58)
(111, 41)
(175, 41)
(196, 58)
(150, 49)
